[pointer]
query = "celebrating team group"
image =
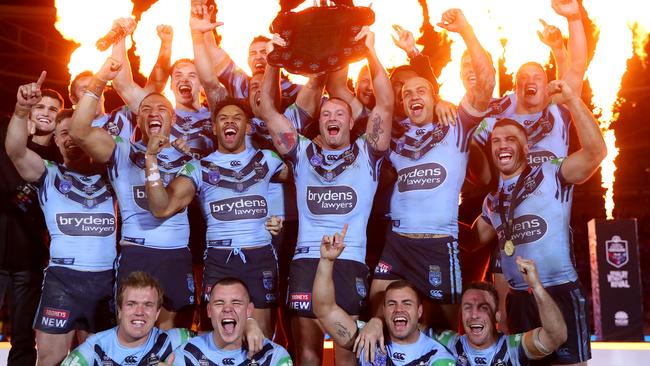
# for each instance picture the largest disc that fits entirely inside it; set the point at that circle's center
(260, 157)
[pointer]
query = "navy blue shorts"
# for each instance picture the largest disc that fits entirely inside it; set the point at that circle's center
(569, 297)
(75, 300)
(350, 282)
(171, 267)
(256, 267)
(432, 265)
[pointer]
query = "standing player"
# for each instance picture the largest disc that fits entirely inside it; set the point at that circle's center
(78, 206)
(135, 340)
(228, 308)
(402, 308)
(156, 246)
(482, 344)
(530, 213)
(335, 183)
(232, 185)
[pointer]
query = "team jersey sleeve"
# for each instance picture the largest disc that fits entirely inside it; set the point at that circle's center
(275, 162)
(281, 357)
(516, 349)
(80, 356)
(447, 339)
(485, 214)
(234, 80)
(293, 155)
(120, 155)
(120, 122)
(298, 117)
(179, 337)
(466, 124)
(482, 132)
(289, 90)
(192, 170)
(553, 168)
(179, 357)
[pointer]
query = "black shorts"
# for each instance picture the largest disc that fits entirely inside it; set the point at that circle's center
(74, 300)
(350, 282)
(171, 267)
(432, 265)
(569, 297)
(256, 267)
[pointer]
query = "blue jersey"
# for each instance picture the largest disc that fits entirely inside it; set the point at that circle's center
(502, 107)
(334, 188)
(236, 83)
(104, 349)
(196, 129)
(282, 196)
(431, 162)
(119, 122)
(508, 350)
(80, 218)
(127, 175)
(202, 351)
(425, 351)
(233, 189)
(540, 228)
(548, 132)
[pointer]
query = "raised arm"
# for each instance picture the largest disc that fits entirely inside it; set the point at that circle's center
(28, 164)
(582, 164)
(335, 321)
(478, 97)
(283, 134)
(95, 141)
(577, 46)
(337, 86)
(310, 95)
(202, 42)
(164, 202)
(380, 121)
(552, 37)
(219, 58)
(482, 234)
(130, 92)
(161, 70)
(543, 340)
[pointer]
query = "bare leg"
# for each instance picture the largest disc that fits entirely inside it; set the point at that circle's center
(264, 318)
(52, 348)
(308, 338)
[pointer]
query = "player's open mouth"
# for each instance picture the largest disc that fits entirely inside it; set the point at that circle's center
(333, 130)
(416, 108)
(138, 323)
(229, 134)
(155, 126)
(530, 90)
(185, 90)
(44, 120)
(476, 328)
(471, 79)
(228, 325)
(400, 322)
(505, 157)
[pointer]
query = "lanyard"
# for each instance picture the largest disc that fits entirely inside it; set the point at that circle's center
(508, 224)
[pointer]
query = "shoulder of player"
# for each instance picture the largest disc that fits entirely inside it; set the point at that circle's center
(445, 337)
(179, 336)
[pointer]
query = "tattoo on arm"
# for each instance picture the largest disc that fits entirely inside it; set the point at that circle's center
(287, 140)
(376, 131)
(342, 331)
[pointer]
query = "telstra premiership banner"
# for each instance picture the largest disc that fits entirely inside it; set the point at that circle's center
(616, 280)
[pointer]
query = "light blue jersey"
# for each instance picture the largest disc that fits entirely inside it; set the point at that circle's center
(540, 229)
(120, 122)
(196, 129)
(425, 351)
(127, 175)
(431, 162)
(508, 350)
(233, 190)
(104, 349)
(548, 132)
(282, 196)
(203, 351)
(236, 82)
(334, 188)
(80, 218)
(502, 107)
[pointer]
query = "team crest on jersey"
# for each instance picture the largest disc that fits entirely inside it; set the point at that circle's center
(380, 358)
(461, 360)
(435, 276)
(190, 282)
(399, 146)
(213, 177)
(316, 160)
(65, 186)
(361, 287)
(267, 280)
(153, 360)
(617, 251)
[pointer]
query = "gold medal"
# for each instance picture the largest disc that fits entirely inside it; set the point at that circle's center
(509, 248)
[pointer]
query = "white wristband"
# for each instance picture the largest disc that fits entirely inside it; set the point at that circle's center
(153, 177)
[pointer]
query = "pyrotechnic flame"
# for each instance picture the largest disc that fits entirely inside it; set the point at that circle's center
(84, 22)
(616, 44)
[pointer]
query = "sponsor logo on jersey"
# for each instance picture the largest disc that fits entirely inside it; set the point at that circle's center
(335, 200)
(301, 250)
(56, 318)
(140, 197)
(526, 229)
(480, 361)
(399, 356)
(617, 251)
(539, 157)
(235, 163)
(424, 176)
(383, 267)
(239, 208)
(228, 361)
(436, 294)
(130, 360)
(86, 224)
(300, 301)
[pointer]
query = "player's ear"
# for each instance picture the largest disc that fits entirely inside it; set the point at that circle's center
(420, 311)
(497, 316)
(249, 310)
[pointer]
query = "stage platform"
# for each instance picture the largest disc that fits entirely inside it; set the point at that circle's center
(604, 354)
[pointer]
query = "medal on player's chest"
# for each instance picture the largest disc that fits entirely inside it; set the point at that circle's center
(507, 216)
(509, 248)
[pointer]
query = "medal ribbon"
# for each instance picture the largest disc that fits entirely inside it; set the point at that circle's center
(434, 137)
(508, 224)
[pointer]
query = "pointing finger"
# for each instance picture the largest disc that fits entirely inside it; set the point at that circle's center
(41, 79)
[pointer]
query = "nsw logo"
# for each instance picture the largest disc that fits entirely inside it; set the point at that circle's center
(86, 224)
(526, 229)
(239, 208)
(424, 176)
(617, 251)
(334, 200)
(537, 158)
